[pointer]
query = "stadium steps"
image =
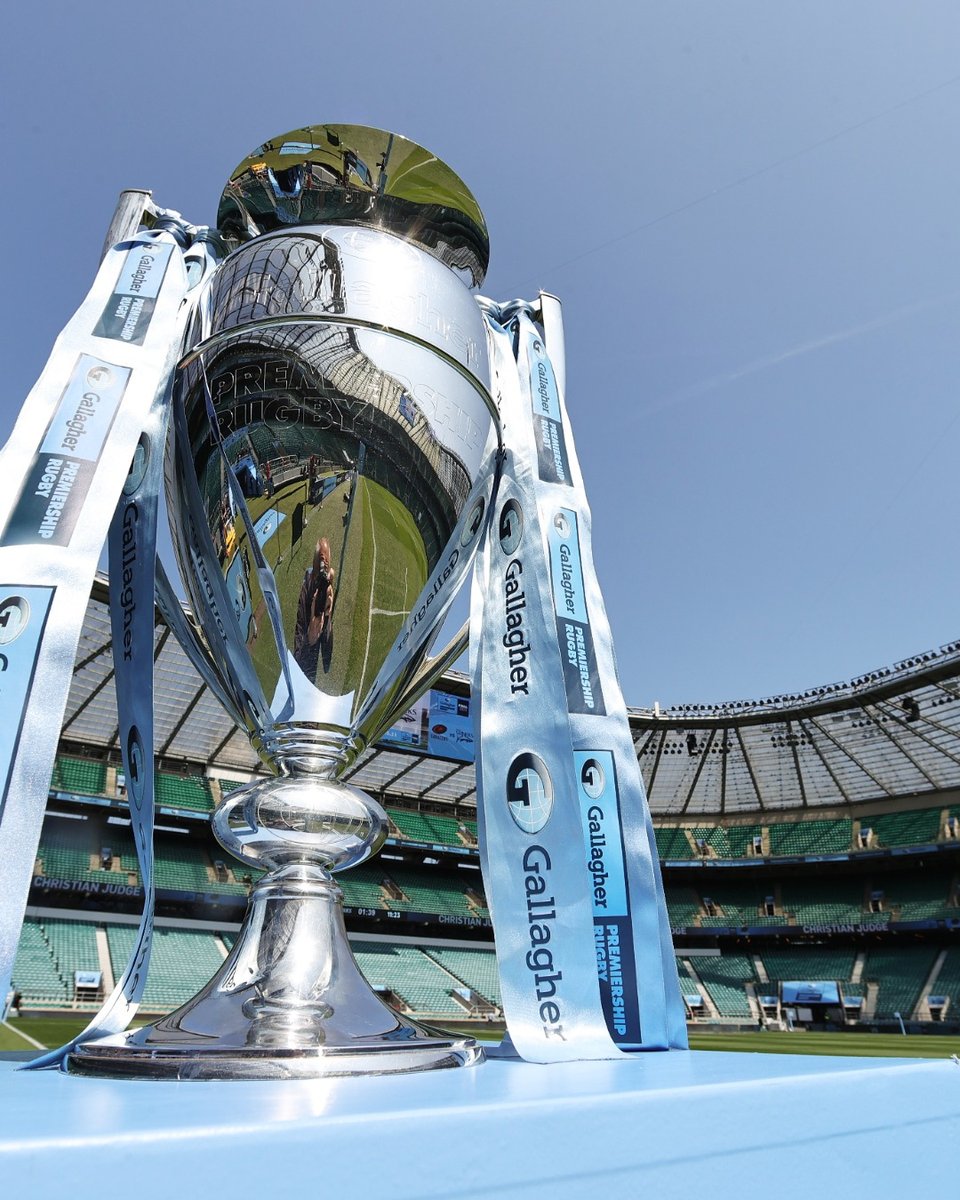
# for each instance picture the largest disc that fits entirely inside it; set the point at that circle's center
(181, 962)
(690, 983)
(423, 986)
(35, 971)
(725, 978)
(900, 974)
(948, 982)
(921, 1011)
(475, 969)
(103, 956)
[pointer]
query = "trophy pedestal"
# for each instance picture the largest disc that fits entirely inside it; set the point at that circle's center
(289, 1002)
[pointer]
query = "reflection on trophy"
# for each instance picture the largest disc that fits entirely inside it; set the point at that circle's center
(329, 471)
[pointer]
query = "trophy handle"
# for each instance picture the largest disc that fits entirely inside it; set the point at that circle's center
(427, 673)
(184, 629)
(134, 208)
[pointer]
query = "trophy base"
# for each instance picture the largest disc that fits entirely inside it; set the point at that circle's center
(289, 1002)
(123, 1057)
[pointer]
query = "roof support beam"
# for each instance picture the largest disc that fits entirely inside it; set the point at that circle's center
(183, 720)
(724, 755)
(656, 764)
(826, 766)
(853, 758)
(888, 734)
(704, 753)
(443, 779)
(749, 765)
(792, 743)
(915, 729)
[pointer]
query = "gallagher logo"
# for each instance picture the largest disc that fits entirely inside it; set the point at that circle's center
(592, 779)
(510, 526)
(14, 616)
(474, 521)
(136, 767)
(529, 792)
(138, 466)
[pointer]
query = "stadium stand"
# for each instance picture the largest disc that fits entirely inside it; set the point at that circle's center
(900, 974)
(35, 971)
(832, 783)
(672, 843)
(810, 837)
(813, 901)
(725, 979)
(905, 829)
(181, 963)
(683, 905)
(82, 776)
(420, 982)
(916, 897)
(190, 792)
(475, 968)
(947, 982)
(809, 963)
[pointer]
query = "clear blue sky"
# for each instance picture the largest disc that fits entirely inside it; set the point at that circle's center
(750, 210)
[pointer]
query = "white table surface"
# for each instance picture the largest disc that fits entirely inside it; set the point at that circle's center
(693, 1125)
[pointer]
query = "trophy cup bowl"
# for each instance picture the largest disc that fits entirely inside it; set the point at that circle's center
(329, 472)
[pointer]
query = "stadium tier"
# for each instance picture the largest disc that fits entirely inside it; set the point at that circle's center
(457, 982)
(812, 836)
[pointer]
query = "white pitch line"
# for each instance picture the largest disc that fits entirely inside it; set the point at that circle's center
(388, 612)
(26, 1036)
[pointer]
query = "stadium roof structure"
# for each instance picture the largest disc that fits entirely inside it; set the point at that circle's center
(890, 735)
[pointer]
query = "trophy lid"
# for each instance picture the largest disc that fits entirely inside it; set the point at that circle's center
(357, 175)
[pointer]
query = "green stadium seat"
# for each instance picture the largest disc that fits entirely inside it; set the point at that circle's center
(905, 829)
(81, 776)
(190, 792)
(810, 837)
(901, 973)
(725, 979)
(422, 983)
(475, 968)
(35, 972)
(181, 962)
(672, 843)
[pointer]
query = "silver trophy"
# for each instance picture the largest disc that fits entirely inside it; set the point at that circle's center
(329, 472)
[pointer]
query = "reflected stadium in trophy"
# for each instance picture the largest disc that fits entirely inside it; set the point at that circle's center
(329, 471)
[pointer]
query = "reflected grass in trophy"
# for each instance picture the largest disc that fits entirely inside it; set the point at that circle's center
(329, 473)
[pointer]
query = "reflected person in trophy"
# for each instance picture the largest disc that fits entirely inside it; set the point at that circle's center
(339, 342)
(314, 631)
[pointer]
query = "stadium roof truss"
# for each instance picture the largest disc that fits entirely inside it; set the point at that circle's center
(891, 734)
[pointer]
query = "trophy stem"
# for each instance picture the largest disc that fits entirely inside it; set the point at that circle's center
(288, 1002)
